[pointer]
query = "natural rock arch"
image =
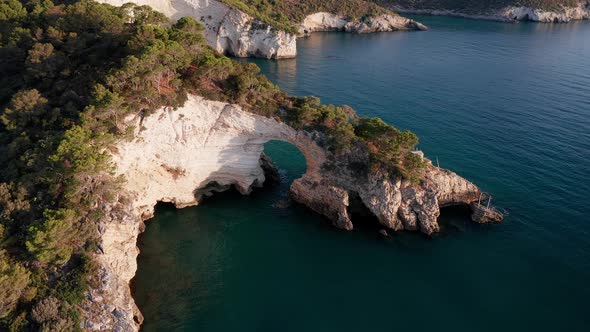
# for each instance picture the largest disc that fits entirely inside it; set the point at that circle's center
(176, 154)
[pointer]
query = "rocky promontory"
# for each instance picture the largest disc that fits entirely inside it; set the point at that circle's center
(324, 21)
(182, 155)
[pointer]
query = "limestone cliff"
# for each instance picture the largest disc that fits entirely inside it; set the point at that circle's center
(560, 14)
(228, 30)
(329, 22)
(179, 156)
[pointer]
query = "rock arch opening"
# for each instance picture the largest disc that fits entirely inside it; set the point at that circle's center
(287, 159)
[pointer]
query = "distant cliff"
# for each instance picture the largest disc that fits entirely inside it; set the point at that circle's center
(546, 11)
(236, 29)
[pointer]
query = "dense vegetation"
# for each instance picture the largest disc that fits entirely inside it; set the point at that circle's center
(288, 14)
(475, 6)
(69, 75)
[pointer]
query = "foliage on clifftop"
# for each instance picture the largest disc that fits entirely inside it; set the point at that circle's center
(288, 14)
(69, 75)
(476, 6)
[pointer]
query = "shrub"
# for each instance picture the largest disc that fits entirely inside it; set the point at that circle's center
(52, 240)
(14, 279)
(46, 310)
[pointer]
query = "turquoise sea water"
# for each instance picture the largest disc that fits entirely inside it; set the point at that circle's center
(505, 105)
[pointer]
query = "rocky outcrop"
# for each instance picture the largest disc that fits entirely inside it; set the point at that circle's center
(329, 22)
(485, 214)
(228, 30)
(398, 204)
(322, 22)
(563, 14)
(182, 155)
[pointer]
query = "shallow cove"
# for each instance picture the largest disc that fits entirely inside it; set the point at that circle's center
(505, 105)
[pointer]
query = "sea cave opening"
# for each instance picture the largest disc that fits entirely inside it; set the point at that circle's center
(455, 218)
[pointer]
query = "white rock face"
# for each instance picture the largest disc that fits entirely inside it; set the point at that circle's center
(384, 23)
(322, 22)
(329, 22)
(227, 30)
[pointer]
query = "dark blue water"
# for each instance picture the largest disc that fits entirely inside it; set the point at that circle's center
(506, 105)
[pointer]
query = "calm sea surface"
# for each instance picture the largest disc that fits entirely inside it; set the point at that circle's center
(505, 105)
